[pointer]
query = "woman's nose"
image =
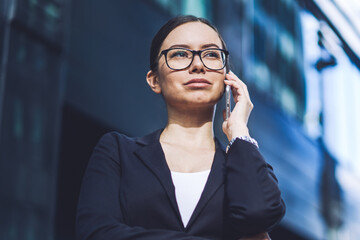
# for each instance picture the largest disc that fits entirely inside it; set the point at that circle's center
(197, 65)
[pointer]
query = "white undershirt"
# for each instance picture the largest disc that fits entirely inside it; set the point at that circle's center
(188, 189)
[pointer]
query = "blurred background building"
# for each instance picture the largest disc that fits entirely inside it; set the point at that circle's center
(73, 70)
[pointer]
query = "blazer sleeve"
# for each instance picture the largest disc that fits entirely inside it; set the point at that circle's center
(253, 202)
(99, 215)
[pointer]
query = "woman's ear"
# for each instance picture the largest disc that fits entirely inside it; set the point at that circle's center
(153, 81)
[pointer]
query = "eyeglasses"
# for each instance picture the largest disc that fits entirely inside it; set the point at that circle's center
(181, 58)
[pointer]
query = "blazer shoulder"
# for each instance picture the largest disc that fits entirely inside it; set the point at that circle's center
(116, 136)
(113, 140)
(120, 140)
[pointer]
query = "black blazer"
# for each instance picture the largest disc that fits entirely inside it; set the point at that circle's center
(127, 193)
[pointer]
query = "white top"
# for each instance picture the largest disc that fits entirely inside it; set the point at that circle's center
(188, 189)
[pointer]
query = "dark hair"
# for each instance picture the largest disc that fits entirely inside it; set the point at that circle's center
(167, 28)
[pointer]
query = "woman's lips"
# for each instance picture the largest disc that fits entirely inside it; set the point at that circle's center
(198, 82)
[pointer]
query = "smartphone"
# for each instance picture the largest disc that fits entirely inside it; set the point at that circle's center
(227, 101)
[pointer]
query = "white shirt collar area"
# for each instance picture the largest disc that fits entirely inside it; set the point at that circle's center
(188, 190)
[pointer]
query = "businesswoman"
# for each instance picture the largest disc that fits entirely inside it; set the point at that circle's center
(180, 182)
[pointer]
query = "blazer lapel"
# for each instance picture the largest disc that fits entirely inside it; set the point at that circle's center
(214, 182)
(152, 155)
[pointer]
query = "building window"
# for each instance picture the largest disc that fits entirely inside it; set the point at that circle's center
(199, 8)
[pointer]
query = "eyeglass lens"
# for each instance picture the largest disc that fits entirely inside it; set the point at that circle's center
(181, 58)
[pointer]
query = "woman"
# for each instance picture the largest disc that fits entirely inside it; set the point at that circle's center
(179, 182)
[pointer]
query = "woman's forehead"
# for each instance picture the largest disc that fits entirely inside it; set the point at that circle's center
(192, 34)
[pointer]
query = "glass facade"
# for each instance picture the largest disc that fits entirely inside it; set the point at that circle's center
(30, 119)
(277, 54)
(199, 8)
(42, 17)
(333, 92)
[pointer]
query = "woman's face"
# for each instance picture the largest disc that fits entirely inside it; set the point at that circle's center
(196, 85)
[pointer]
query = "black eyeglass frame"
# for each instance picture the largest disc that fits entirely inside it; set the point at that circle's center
(194, 52)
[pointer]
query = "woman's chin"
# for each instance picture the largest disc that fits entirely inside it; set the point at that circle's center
(201, 103)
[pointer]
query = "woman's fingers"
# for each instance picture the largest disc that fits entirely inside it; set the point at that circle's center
(236, 88)
(236, 125)
(239, 93)
(239, 87)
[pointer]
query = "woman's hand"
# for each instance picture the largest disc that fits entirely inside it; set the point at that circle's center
(260, 236)
(236, 125)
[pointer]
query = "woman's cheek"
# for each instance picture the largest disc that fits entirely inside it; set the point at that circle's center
(222, 89)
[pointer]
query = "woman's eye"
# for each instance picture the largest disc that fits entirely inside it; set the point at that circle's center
(211, 54)
(179, 54)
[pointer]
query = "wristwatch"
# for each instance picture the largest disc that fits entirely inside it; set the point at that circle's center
(245, 138)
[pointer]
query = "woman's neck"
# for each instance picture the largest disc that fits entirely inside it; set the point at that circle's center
(190, 127)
